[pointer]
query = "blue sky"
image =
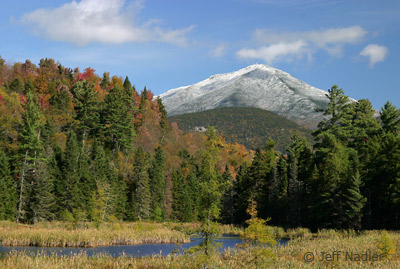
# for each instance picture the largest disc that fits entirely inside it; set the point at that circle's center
(166, 44)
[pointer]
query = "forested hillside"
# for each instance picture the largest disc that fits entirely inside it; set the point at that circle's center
(248, 126)
(76, 146)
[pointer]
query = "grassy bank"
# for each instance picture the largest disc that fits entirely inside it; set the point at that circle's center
(289, 256)
(59, 234)
(62, 234)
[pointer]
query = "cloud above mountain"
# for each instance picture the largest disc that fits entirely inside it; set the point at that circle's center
(376, 53)
(100, 21)
(274, 46)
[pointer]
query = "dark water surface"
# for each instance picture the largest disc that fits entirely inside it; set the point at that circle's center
(228, 241)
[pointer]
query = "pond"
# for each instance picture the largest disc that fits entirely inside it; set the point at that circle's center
(228, 241)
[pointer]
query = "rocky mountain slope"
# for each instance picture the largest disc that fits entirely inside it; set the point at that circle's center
(258, 86)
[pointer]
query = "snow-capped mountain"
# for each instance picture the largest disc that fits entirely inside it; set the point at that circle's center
(257, 86)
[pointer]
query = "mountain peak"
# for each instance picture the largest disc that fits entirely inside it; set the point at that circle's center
(257, 85)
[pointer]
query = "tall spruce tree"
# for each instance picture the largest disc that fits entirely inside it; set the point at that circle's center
(157, 184)
(30, 153)
(117, 120)
(337, 117)
(86, 109)
(339, 201)
(182, 203)
(8, 191)
(227, 201)
(299, 167)
(355, 201)
(140, 190)
(390, 117)
(68, 189)
(163, 113)
(43, 200)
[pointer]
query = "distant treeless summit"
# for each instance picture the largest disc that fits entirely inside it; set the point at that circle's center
(258, 86)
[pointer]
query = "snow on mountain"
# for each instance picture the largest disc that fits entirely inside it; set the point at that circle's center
(257, 86)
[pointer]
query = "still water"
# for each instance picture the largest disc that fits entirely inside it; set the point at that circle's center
(228, 241)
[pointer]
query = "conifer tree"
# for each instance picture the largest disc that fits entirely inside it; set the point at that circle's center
(106, 81)
(117, 121)
(86, 109)
(106, 190)
(68, 189)
(141, 198)
(242, 190)
(163, 113)
(8, 191)
(337, 118)
(299, 161)
(43, 201)
(181, 204)
(339, 201)
(385, 184)
(355, 201)
(30, 153)
(17, 86)
(390, 117)
(227, 210)
(157, 184)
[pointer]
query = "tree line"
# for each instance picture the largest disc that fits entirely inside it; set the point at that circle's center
(76, 146)
(350, 178)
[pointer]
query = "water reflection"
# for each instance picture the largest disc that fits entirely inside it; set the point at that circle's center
(228, 241)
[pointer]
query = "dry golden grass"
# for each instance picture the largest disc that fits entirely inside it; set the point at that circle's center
(289, 256)
(59, 234)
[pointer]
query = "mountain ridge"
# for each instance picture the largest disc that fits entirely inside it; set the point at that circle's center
(258, 86)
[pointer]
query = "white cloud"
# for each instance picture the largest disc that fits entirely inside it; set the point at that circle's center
(104, 21)
(273, 52)
(331, 40)
(376, 53)
(219, 51)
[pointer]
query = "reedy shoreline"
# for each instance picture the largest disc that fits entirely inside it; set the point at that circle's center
(288, 256)
(59, 234)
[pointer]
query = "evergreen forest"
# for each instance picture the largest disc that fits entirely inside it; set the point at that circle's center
(78, 146)
(248, 126)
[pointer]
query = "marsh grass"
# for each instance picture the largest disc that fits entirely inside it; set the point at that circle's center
(195, 228)
(59, 234)
(288, 256)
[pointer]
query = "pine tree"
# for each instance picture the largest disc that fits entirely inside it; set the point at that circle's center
(227, 210)
(30, 153)
(182, 204)
(385, 184)
(299, 161)
(337, 118)
(117, 121)
(157, 184)
(8, 191)
(163, 113)
(106, 81)
(390, 117)
(141, 192)
(295, 194)
(61, 100)
(43, 195)
(106, 182)
(17, 86)
(354, 201)
(242, 192)
(86, 109)
(338, 202)
(68, 190)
